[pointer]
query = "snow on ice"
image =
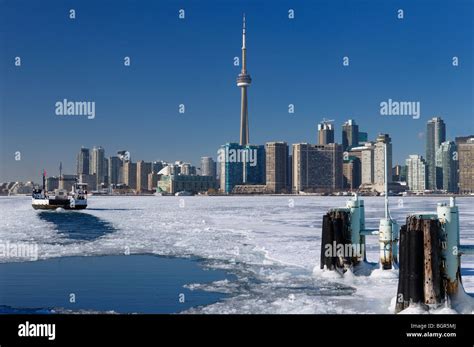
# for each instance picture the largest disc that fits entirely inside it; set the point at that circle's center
(271, 243)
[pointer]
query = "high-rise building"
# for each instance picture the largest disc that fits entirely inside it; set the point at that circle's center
(97, 166)
(83, 161)
(129, 170)
(208, 167)
(289, 175)
(403, 173)
(187, 169)
(383, 141)
(351, 173)
(114, 168)
(143, 169)
(106, 171)
(153, 179)
(363, 137)
(447, 167)
(124, 157)
(399, 173)
(416, 173)
(52, 183)
(230, 166)
(243, 82)
(317, 168)
(67, 181)
(367, 163)
(277, 167)
(435, 135)
(325, 133)
(350, 135)
(90, 180)
(254, 166)
(356, 152)
(465, 147)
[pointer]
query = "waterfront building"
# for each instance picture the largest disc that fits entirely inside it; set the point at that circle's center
(416, 173)
(317, 168)
(465, 147)
(208, 167)
(172, 184)
(83, 161)
(447, 167)
(277, 162)
(325, 133)
(435, 135)
(350, 135)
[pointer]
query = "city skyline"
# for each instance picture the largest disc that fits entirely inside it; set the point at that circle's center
(32, 128)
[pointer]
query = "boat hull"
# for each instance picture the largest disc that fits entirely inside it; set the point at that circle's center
(52, 204)
(53, 207)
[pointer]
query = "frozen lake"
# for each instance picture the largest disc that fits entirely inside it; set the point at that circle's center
(271, 244)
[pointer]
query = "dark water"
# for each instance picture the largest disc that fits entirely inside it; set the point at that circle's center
(124, 284)
(77, 226)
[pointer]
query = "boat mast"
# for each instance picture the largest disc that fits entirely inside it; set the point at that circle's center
(387, 213)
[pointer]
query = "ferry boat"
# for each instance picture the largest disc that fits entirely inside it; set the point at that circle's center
(75, 200)
(183, 193)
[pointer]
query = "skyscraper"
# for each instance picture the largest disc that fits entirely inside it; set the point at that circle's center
(382, 141)
(254, 166)
(129, 170)
(143, 169)
(317, 168)
(363, 137)
(153, 179)
(83, 161)
(208, 167)
(114, 168)
(277, 166)
(416, 173)
(399, 173)
(243, 81)
(367, 163)
(435, 135)
(446, 167)
(187, 169)
(351, 173)
(466, 164)
(350, 135)
(97, 166)
(325, 133)
(231, 166)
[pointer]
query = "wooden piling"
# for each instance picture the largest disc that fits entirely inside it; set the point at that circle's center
(336, 233)
(420, 279)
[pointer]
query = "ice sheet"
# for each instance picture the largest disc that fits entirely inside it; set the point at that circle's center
(271, 242)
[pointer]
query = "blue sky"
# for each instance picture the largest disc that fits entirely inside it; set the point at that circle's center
(190, 61)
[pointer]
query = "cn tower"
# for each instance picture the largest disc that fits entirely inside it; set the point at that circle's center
(243, 81)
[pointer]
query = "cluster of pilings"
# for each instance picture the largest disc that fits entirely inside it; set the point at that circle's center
(344, 233)
(429, 261)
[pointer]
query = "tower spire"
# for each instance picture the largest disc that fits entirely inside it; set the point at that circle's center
(243, 81)
(244, 48)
